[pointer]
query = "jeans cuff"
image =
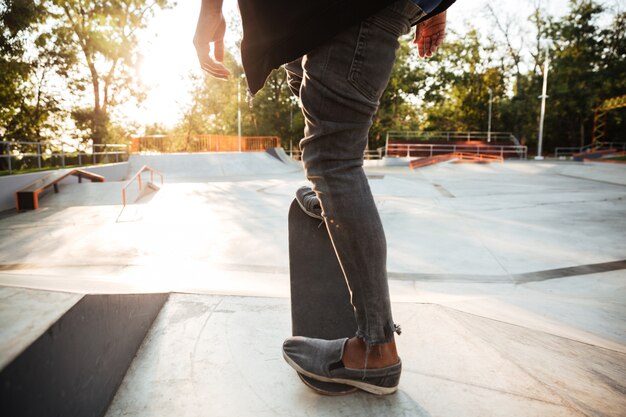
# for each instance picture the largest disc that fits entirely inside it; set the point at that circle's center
(386, 337)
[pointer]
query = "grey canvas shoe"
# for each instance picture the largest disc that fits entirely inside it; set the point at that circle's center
(309, 203)
(321, 360)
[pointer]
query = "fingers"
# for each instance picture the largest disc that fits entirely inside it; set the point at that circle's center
(209, 40)
(214, 67)
(429, 35)
(218, 50)
(212, 63)
(427, 45)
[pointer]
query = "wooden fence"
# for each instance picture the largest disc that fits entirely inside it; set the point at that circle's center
(202, 143)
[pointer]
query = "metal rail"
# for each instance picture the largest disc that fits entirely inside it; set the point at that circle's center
(489, 137)
(565, 151)
(367, 154)
(412, 149)
(18, 150)
(137, 177)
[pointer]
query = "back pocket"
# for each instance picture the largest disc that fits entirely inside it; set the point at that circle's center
(373, 60)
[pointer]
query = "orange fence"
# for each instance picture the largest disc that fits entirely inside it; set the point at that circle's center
(203, 143)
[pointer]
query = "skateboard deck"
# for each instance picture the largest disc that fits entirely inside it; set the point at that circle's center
(320, 300)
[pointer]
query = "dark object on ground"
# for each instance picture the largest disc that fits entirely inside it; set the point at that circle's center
(320, 300)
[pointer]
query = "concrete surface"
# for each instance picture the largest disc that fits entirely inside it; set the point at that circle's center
(207, 166)
(220, 356)
(509, 281)
(25, 314)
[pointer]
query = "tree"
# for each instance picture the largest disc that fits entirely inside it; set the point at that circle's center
(275, 111)
(398, 107)
(213, 105)
(102, 35)
(454, 94)
(24, 104)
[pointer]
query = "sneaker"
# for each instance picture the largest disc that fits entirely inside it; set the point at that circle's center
(321, 360)
(309, 203)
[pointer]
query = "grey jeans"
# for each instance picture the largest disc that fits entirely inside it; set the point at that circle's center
(339, 86)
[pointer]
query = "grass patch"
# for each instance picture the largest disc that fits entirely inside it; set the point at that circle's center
(31, 170)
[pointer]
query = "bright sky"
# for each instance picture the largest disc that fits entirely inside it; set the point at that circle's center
(169, 55)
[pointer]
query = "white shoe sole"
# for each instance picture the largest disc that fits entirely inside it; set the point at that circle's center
(373, 389)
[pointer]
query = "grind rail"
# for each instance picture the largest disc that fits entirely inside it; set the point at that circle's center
(137, 177)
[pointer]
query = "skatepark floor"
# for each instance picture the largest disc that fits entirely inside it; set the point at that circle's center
(509, 281)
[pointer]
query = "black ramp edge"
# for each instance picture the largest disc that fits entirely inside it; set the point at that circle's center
(274, 153)
(320, 299)
(77, 365)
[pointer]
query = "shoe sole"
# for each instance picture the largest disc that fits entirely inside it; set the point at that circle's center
(372, 389)
(309, 383)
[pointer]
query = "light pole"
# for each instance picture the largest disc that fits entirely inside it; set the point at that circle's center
(489, 124)
(543, 97)
(239, 111)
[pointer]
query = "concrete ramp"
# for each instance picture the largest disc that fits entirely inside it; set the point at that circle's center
(198, 167)
(209, 355)
(86, 194)
(68, 353)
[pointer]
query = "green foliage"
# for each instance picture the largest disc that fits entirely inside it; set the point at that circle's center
(25, 108)
(275, 111)
(56, 56)
(455, 96)
(102, 36)
(396, 104)
(214, 105)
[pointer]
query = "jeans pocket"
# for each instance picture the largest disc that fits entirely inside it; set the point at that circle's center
(373, 60)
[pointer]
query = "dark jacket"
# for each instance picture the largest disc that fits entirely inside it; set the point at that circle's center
(278, 31)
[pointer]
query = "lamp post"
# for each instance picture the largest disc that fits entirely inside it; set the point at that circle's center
(543, 98)
(489, 123)
(239, 111)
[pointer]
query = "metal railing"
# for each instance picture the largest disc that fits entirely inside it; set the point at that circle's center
(429, 150)
(25, 155)
(441, 136)
(368, 154)
(137, 177)
(565, 151)
(202, 143)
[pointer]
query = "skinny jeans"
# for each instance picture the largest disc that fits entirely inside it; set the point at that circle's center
(339, 86)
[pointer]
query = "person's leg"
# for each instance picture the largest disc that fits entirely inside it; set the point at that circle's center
(340, 85)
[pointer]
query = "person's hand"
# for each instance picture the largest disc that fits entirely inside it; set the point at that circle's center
(209, 39)
(429, 35)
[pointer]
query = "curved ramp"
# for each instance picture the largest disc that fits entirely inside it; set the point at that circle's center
(206, 166)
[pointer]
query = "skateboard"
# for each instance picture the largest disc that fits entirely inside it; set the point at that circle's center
(320, 300)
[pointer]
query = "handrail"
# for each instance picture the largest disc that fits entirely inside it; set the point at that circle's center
(563, 151)
(480, 157)
(463, 156)
(138, 177)
(42, 150)
(398, 149)
(449, 135)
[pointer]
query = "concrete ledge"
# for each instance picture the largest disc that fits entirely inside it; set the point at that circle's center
(10, 184)
(76, 366)
(388, 162)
